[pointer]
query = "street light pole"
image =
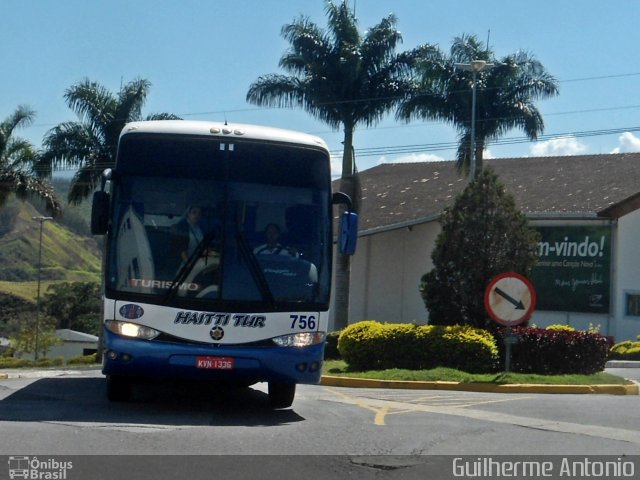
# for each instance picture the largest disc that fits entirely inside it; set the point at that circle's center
(41, 220)
(475, 66)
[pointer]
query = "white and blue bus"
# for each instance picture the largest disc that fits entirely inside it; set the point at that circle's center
(218, 255)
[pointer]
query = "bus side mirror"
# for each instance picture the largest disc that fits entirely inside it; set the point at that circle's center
(100, 213)
(348, 233)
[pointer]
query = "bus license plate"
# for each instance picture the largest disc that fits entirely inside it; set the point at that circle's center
(215, 363)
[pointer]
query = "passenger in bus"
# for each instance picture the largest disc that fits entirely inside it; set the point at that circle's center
(188, 233)
(191, 230)
(273, 245)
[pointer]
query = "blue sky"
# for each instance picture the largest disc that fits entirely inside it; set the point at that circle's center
(202, 55)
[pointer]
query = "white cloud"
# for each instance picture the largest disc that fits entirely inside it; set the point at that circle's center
(628, 142)
(412, 158)
(558, 147)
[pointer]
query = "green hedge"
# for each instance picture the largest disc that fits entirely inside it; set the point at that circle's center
(370, 345)
(12, 362)
(83, 360)
(557, 351)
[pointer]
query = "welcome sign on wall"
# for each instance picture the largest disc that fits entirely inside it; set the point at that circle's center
(573, 273)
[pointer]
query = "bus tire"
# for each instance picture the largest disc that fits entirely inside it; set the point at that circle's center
(118, 388)
(281, 394)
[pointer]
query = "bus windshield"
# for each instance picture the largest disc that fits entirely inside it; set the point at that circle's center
(213, 224)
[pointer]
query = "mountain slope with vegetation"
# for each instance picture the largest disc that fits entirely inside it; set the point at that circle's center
(67, 255)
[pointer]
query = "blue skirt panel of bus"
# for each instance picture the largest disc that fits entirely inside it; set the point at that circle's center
(148, 358)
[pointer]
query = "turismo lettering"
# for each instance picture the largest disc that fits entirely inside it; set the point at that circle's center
(162, 284)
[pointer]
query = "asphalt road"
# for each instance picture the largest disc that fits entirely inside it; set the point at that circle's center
(349, 431)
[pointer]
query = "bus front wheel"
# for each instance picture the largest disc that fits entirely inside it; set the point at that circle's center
(118, 388)
(281, 394)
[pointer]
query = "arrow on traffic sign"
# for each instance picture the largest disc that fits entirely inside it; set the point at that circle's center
(516, 303)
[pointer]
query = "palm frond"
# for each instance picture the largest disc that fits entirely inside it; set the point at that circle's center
(21, 117)
(68, 144)
(93, 103)
(162, 116)
(131, 100)
(19, 154)
(83, 183)
(25, 185)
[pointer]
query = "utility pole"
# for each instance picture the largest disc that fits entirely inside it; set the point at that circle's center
(41, 220)
(475, 67)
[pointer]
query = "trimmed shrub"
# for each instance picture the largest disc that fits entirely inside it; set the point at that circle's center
(12, 362)
(470, 349)
(359, 345)
(49, 362)
(560, 327)
(370, 345)
(83, 360)
(556, 352)
(626, 350)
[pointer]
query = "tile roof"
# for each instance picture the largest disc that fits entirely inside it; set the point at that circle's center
(401, 194)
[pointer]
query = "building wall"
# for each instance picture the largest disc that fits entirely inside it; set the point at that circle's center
(386, 271)
(627, 265)
(71, 349)
(387, 267)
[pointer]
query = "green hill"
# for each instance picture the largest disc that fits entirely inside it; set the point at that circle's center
(67, 255)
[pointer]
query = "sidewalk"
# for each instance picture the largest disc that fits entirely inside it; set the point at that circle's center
(44, 373)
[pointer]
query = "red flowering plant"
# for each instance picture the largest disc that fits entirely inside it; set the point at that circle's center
(555, 351)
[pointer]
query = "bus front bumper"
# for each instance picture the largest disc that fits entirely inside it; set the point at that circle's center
(234, 363)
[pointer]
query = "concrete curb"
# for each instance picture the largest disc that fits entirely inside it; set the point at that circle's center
(480, 387)
(623, 364)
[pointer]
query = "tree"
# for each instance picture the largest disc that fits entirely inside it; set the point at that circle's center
(91, 143)
(483, 234)
(505, 95)
(344, 79)
(25, 340)
(18, 162)
(75, 305)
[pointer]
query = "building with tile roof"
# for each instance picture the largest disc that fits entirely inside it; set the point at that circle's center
(586, 208)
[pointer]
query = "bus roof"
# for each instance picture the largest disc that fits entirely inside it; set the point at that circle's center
(223, 129)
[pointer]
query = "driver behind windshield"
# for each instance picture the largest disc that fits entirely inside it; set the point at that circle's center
(273, 245)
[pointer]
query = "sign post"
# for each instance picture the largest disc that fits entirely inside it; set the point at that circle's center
(509, 299)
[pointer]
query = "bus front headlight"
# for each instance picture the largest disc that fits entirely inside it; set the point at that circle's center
(132, 330)
(303, 339)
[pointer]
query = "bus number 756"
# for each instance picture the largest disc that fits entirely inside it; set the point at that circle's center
(303, 321)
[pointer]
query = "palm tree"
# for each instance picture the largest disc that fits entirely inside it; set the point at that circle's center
(505, 95)
(18, 162)
(344, 79)
(91, 143)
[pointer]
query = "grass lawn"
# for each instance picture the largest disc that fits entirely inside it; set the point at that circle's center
(340, 368)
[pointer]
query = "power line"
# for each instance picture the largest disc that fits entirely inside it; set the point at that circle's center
(443, 146)
(259, 109)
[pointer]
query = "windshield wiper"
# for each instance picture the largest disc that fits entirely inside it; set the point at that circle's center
(255, 269)
(185, 270)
